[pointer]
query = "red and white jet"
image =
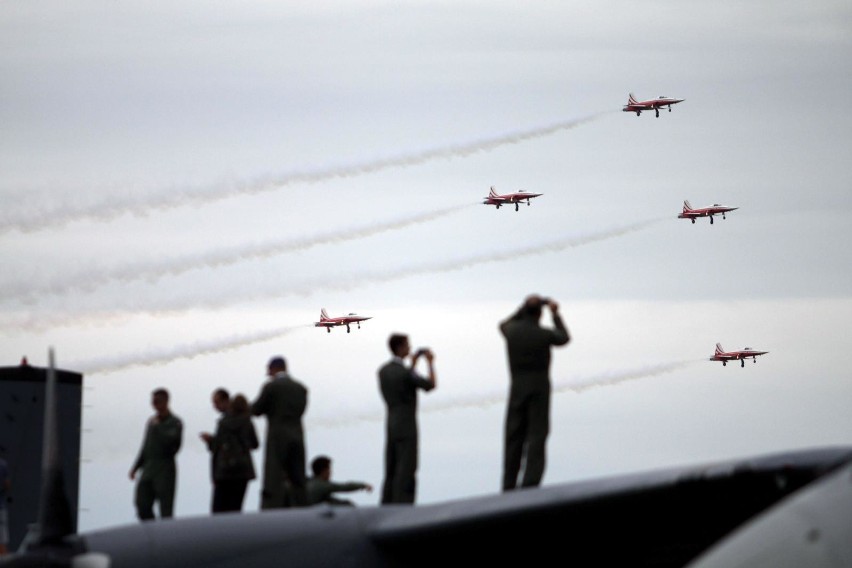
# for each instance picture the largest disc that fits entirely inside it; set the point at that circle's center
(495, 198)
(654, 104)
(329, 323)
(741, 356)
(715, 209)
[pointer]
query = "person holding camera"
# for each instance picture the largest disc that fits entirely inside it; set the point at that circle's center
(399, 384)
(528, 414)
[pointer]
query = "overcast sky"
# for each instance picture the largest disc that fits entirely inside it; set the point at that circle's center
(184, 186)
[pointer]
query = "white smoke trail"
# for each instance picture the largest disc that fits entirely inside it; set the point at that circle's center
(612, 378)
(485, 400)
(92, 279)
(336, 283)
(188, 351)
(61, 213)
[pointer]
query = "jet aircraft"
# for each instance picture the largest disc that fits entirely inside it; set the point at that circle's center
(784, 510)
(715, 209)
(653, 104)
(328, 322)
(741, 356)
(495, 198)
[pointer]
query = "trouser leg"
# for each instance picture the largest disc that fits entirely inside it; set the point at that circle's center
(539, 426)
(273, 491)
(164, 487)
(228, 495)
(144, 499)
(296, 475)
(220, 496)
(405, 479)
(390, 470)
(237, 495)
(515, 433)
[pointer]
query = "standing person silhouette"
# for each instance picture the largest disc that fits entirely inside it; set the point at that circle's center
(163, 435)
(528, 412)
(231, 464)
(283, 400)
(399, 384)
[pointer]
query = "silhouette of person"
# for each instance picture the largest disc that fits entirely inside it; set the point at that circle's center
(399, 385)
(5, 489)
(163, 434)
(231, 463)
(221, 400)
(321, 488)
(528, 413)
(283, 400)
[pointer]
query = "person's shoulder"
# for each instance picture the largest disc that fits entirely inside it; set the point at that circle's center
(515, 324)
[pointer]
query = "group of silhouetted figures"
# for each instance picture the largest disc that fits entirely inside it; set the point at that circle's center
(283, 400)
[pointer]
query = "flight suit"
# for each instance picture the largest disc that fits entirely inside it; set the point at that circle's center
(283, 400)
(399, 386)
(159, 472)
(528, 413)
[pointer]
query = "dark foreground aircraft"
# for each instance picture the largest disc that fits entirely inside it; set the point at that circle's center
(779, 511)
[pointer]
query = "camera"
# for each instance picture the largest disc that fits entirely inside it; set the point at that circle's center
(421, 351)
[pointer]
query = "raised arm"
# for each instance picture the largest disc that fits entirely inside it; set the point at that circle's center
(560, 332)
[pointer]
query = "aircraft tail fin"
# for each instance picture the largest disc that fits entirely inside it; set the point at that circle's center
(323, 314)
(719, 349)
(55, 520)
(631, 99)
(686, 206)
(493, 192)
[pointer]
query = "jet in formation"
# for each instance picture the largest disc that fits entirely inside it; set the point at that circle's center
(741, 356)
(654, 104)
(495, 198)
(690, 213)
(329, 322)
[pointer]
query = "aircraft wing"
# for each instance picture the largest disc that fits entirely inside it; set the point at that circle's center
(663, 518)
(810, 528)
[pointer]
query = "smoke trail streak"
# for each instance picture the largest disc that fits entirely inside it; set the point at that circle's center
(482, 401)
(612, 378)
(91, 279)
(114, 206)
(189, 351)
(339, 282)
(557, 245)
